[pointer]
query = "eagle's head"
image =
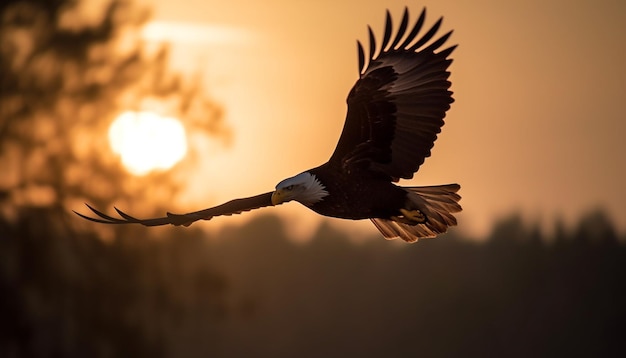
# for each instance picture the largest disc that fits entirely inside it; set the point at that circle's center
(304, 188)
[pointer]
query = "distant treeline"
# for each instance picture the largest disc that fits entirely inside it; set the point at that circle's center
(254, 292)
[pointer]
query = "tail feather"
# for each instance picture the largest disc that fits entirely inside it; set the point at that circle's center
(438, 203)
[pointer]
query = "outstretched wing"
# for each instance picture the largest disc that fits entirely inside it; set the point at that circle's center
(396, 108)
(232, 207)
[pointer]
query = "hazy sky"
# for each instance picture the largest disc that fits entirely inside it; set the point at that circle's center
(537, 126)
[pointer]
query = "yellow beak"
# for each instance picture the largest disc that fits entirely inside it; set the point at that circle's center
(277, 197)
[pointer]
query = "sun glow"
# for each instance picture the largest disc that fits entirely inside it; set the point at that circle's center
(146, 141)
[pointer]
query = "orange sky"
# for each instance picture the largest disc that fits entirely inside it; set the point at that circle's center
(537, 125)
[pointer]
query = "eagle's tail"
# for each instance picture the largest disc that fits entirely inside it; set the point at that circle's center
(428, 212)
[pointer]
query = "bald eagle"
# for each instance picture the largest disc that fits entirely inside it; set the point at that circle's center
(395, 111)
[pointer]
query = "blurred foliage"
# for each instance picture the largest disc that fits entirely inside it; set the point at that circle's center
(252, 291)
(67, 69)
(519, 293)
(65, 295)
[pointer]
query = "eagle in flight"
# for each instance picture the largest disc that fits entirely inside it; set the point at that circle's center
(395, 111)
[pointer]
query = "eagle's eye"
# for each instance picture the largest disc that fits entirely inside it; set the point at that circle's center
(289, 187)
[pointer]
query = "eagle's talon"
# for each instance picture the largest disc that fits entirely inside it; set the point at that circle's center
(402, 219)
(415, 216)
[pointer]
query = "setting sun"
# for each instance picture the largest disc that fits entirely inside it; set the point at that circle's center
(146, 141)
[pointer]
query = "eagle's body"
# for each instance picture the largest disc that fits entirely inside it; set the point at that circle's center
(395, 111)
(368, 196)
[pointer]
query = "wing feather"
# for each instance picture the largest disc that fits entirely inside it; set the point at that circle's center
(361, 55)
(429, 35)
(236, 206)
(416, 28)
(402, 29)
(372, 42)
(388, 29)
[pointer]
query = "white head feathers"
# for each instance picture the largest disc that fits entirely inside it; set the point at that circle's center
(304, 188)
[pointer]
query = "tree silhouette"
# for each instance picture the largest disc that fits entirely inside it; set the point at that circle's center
(518, 294)
(64, 77)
